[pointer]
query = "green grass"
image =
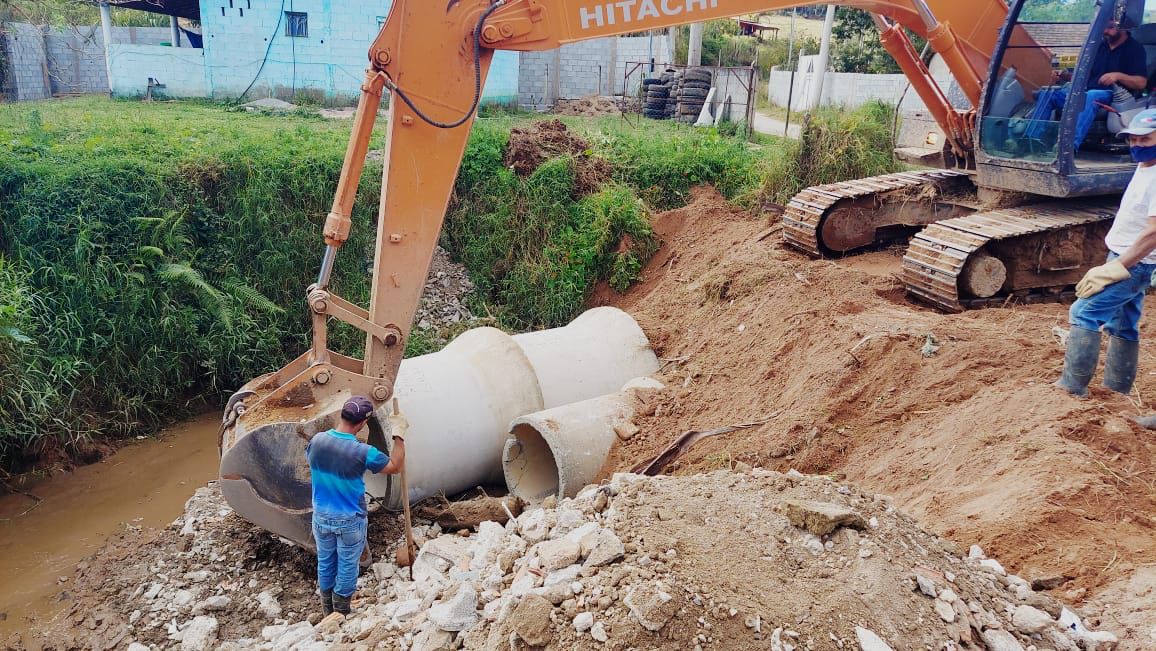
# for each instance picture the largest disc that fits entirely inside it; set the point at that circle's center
(536, 252)
(156, 254)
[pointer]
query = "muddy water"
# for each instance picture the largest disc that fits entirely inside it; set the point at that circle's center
(145, 484)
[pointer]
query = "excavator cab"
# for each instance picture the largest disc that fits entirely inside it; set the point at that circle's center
(1045, 127)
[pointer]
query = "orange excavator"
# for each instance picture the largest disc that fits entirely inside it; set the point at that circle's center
(433, 57)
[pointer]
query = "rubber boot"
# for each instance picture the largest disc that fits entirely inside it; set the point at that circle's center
(327, 602)
(1120, 364)
(341, 604)
(1080, 361)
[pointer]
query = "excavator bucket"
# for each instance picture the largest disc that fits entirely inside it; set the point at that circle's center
(264, 470)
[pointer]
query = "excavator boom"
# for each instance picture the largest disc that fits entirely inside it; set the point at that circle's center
(433, 57)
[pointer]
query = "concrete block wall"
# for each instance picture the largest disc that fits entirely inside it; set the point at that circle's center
(592, 67)
(181, 70)
(27, 76)
(43, 62)
(329, 62)
(852, 90)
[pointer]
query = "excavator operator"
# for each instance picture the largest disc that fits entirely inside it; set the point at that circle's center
(1119, 60)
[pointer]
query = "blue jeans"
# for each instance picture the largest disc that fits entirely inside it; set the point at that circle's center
(1054, 99)
(1116, 309)
(340, 539)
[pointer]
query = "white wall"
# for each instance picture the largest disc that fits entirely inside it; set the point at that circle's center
(181, 70)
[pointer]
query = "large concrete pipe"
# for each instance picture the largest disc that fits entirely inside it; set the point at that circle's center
(460, 401)
(560, 450)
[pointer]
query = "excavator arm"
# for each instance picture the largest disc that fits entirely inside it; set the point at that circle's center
(433, 57)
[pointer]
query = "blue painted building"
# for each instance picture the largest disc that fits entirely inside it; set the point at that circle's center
(270, 48)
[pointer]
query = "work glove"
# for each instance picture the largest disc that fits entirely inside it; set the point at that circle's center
(1098, 278)
(398, 423)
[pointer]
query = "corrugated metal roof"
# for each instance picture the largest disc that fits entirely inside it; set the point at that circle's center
(180, 8)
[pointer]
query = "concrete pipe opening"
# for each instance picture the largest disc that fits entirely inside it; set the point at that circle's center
(559, 451)
(529, 465)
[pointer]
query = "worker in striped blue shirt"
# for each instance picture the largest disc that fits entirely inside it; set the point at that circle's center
(338, 461)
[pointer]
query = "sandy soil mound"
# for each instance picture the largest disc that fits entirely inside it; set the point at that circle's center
(529, 147)
(591, 106)
(954, 415)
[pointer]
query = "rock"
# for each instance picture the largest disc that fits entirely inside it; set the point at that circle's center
(438, 556)
(948, 595)
(197, 577)
(556, 554)
(1028, 620)
(268, 605)
(651, 606)
(821, 518)
(457, 614)
(1039, 584)
(926, 586)
(993, 565)
(999, 640)
(486, 545)
(566, 576)
(976, 553)
(583, 622)
(384, 571)
(531, 620)
(137, 646)
(294, 635)
(269, 104)
(433, 639)
(331, 623)
(1097, 641)
(598, 632)
(945, 611)
(201, 634)
(213, 605)
(869, 641)
(270, 633)
(182, 598)
(533, 527)
(606, 549)
(405, 610)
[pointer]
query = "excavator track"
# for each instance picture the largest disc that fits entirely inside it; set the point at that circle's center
(1028, 254)
(806, 221)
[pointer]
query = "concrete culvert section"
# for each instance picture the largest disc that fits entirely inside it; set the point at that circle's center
(460, 401)
(560, 450)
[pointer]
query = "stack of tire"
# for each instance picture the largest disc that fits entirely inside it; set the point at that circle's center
(658, 97)
(693, 88)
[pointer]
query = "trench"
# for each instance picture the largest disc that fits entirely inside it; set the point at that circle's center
(146, 485)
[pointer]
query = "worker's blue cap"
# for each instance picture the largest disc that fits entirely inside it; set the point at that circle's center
(357, 409)
(1142, 124)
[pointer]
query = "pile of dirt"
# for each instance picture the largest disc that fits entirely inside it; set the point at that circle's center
(591, 106)
(530, 147)
(954, 415)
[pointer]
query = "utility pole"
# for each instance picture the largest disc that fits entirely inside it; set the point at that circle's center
(794, 67)
(824, 58)
(694, 52)
(106, 31)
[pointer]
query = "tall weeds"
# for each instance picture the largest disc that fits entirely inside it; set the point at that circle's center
(155, 257)
(836, 145)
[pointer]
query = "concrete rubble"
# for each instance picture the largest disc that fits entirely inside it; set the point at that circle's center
(635, 563)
